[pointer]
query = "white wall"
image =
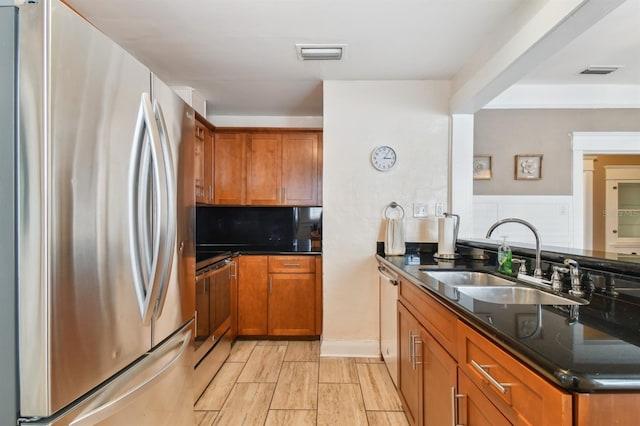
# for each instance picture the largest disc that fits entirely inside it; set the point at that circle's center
(413, 117)
(552, 215)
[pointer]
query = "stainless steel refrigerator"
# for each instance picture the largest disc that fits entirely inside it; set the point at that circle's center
(96, 228)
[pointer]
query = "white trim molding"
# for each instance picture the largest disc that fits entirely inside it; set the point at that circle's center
(594, 143)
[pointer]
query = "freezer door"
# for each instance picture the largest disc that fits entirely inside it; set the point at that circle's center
(140, 395)
(176, 298)
(79, 317)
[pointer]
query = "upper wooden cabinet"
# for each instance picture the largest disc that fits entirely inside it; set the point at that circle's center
(300, 169)
(203, 163)
(230, 170)
(268, 168)
(264, 169)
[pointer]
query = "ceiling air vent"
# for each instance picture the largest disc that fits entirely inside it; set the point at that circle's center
(600, 70)
(321, 52)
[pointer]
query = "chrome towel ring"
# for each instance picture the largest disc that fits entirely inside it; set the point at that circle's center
(393, 206)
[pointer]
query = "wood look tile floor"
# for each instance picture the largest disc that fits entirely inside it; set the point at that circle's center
(282, 383)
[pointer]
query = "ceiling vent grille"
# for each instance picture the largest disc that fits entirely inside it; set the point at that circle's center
(321, 52)
(600, 70)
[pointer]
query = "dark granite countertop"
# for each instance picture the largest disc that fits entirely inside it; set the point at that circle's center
(588, 348)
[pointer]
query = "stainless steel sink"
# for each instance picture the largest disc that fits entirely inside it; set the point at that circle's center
(518, 296)
(466, 278)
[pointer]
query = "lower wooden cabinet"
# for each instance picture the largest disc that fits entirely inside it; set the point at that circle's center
(451, 374)
(473, 407)
(438, 384)
(410, 372)
(279, 296)
(484, 385)
(253, 276)
(291, 305)
(427, 379)
(518, 392)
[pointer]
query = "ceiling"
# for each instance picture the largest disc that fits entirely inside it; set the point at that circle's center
(240, 54)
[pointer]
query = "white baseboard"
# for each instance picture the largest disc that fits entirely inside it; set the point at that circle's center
(350, 348)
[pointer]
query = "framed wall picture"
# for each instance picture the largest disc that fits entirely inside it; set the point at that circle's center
(528, 167)
(482, 167)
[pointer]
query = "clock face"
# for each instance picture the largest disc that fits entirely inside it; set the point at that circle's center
(383, 158)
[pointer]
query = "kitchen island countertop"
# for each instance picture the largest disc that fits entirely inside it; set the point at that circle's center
(588, 348)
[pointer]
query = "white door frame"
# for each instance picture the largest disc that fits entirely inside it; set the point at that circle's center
(594, 143)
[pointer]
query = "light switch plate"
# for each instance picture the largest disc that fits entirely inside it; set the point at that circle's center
(439, 210)
(420, 210)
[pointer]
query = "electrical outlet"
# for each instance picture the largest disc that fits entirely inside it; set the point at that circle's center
(420, 210)
(439, 210)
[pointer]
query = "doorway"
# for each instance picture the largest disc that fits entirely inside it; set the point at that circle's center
(592, 143)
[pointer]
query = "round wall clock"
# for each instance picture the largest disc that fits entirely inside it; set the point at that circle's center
(383, 158)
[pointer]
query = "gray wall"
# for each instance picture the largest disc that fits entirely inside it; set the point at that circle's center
(506, 133)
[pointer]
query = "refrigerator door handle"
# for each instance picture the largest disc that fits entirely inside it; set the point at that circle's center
(166, 262)
(115, 404)
(146, 214)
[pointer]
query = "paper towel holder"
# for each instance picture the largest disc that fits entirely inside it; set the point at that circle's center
(456, 228)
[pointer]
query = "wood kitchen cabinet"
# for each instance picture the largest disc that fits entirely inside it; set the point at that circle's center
(268, 168)
(516, 391)
(230, 170)
(301, 169)
(203, 163)
(445, 367)
(292, 295)
(410, 373)
(253, 275)
(264, 169)
(473, 407)
(280, 296)
(427, 381)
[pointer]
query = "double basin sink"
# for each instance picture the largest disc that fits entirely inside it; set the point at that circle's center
(494, 289)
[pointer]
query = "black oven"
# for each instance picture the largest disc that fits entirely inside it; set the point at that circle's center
(213, 314)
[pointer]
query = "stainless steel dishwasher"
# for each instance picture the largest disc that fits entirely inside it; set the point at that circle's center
(388, 287)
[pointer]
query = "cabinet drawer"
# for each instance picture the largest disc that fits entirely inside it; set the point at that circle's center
(292, 264)
(437, 319)
(518, 392)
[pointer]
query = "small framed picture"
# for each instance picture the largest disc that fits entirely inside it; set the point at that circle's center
(482, 167)
(528, 167)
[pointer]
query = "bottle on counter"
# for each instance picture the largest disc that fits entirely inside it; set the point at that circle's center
(504, 257)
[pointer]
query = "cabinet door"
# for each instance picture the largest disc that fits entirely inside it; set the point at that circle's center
(292, 304)
(264, 168)
(474, 408)
(300, 169)
(438, 382)
(409, 370)
(252, 295)
(203, 164)
(230, 153)
(202, 308)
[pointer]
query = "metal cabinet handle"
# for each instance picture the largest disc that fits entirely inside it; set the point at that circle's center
(411, 349)
(270, 284)
(115, 404)
(454, 411)
(502, 387)
(416, 341)
(291, 265)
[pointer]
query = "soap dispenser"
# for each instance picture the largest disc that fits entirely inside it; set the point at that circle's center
(504, 257)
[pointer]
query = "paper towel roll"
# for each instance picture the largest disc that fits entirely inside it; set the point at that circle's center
(446, 240)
